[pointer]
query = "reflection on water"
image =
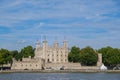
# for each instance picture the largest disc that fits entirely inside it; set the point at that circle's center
(60, 76)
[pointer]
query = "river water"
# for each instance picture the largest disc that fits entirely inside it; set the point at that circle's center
(60, 76)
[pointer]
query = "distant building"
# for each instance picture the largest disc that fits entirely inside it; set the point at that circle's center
(44, 54)
(51, 57)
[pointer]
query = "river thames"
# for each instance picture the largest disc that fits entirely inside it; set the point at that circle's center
(59, 76)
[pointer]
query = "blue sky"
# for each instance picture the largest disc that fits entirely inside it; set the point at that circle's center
(94, 23)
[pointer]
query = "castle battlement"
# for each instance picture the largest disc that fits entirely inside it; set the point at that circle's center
(54, 57)
(52, 54)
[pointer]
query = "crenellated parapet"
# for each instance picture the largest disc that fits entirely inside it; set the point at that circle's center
(54, 53)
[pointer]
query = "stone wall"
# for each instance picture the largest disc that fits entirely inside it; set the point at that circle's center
(31, 64)
(70, 66)
(63, 65)
(99, 62)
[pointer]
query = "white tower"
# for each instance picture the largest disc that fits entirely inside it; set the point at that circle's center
(56, 45)
(65, 48)
(37, 49)
(65, 45)
(44, 47)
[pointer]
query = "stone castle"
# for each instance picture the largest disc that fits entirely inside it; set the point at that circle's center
(44, 54)
(51, 57)
(52, 54)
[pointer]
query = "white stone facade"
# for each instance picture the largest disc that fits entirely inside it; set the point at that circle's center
(43, 54)
(27, 63)
(52, 54)
(51, 57)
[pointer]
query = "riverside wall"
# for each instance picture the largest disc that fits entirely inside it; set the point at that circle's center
(59, 71)
(70, 66)
(57, 66)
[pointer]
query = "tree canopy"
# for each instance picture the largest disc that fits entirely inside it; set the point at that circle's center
(111, 56)
(88, 56)
(74, 54)
(27, 51)
(5, 56)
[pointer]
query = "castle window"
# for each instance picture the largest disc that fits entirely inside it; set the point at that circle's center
(48, 54)
(61, 60)
(48, 60)
(30, 64)
(26, 65)
(57, 54)
(65, 59)
(61, 55)
(36, 65)
(52, 59)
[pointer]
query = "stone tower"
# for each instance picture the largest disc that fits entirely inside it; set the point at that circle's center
(56, 45)
(99, 63)
(52, 54)
(44, 48)
(65, 45)
(37, 49)
(65, 50)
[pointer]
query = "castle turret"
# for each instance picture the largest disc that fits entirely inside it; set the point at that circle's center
(37, 48)
(44, 47)
(44, 43)
(65, 49)
(65, 45)
(37, 45)
(99, 63)
(56, 45)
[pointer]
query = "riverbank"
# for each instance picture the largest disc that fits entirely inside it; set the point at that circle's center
(59, 71)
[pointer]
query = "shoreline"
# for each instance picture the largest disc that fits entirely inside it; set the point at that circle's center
(60, 71)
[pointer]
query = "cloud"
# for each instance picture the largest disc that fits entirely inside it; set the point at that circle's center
(22, 41)
(83, 21)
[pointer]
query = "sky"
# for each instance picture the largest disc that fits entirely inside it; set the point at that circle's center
(82, 23)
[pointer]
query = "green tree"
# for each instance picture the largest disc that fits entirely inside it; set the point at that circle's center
(113, 57)
(104, 51)
(19, 56)
(15, 54)
(5, 56)
(27, 51)
(74, 54)
(88, 56)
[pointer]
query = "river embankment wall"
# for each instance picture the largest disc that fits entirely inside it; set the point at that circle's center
(58, 71)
